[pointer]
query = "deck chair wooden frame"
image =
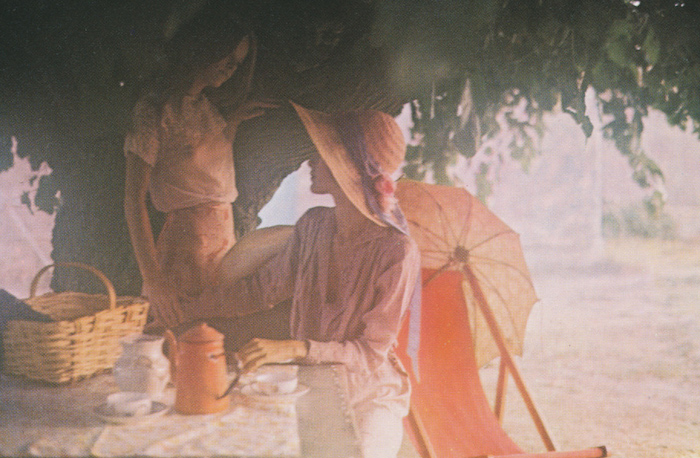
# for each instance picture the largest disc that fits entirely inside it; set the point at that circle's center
(418, 431)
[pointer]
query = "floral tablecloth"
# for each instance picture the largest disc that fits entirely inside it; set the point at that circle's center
(41, 420)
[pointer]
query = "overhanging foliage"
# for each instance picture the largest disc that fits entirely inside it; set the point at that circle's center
(71, 71)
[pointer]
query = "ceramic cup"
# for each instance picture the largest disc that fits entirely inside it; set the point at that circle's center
(129, 403)
(272, 383)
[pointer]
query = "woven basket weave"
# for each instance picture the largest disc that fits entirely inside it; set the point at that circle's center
(82, 340)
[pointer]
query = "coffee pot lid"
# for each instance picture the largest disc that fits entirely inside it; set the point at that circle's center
(201, 333)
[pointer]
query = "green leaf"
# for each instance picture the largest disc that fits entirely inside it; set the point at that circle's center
(26, 201)
(651, 47)
(6, 157)
(653, 168)
(46, 198)
(641, 178)
(621, 28)
(619, 45)
(587, 126)
(654, 204)
(620, 52)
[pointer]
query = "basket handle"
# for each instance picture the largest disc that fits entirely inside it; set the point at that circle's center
(108, 284)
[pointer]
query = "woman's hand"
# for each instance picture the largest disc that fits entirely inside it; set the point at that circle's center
(249, 110)
(168, 310)
(262, 351)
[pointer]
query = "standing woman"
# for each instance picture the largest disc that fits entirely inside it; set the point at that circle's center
(179, 151)
(351, 272)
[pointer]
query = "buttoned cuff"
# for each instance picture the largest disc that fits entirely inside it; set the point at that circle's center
(314, 353)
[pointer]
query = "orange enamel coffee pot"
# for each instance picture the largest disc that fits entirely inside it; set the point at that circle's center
(198, 365)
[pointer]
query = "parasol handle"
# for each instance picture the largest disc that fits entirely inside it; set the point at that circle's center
(506, 357)
(501, 384)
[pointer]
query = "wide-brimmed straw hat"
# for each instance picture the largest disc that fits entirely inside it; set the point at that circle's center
(362, 150)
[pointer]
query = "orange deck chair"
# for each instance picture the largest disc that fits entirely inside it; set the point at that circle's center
(450, 415)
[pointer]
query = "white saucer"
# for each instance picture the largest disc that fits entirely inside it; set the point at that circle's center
(251, 392)
(103, 411)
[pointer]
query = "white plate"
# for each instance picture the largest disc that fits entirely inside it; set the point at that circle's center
(157, 409)
(250, 392)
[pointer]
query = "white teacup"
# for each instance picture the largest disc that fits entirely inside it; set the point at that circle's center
(129, 403)
(272, 383)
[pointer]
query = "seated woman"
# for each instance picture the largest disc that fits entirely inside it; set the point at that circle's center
(351, 272)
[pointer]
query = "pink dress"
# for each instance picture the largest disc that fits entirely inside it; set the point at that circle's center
(193, 181)
(377, 279)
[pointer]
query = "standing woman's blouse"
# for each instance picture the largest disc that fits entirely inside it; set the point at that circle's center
(378, 274)
(185, 144)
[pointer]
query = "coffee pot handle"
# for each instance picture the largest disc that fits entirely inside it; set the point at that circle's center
(172, 351)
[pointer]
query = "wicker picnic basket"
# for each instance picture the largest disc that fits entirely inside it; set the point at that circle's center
(82, 340)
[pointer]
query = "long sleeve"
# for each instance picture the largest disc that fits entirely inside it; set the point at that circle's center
(378, 324)
(358, 327)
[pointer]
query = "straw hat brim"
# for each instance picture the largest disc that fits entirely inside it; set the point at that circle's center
(324, 135)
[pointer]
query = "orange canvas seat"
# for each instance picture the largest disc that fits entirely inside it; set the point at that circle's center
(450, 414)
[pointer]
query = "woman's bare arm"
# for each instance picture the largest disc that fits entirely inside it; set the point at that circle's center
(249, 110)
(252, 250)
(138, 176)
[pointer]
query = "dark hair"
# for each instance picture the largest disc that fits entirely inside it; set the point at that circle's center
(208, 37)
